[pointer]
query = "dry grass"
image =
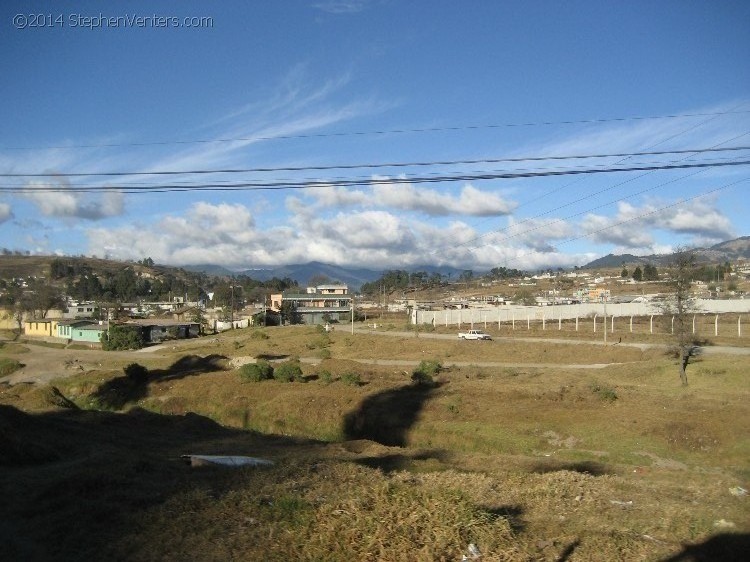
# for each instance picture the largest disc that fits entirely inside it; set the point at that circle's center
(527, 463)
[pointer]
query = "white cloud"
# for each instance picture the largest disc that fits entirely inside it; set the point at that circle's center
(633, 227)
(5, 212)
(65, 203)
(401, 194)
(533, 233)
(341, 6)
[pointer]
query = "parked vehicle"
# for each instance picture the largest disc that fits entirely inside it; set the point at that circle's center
(474, 335)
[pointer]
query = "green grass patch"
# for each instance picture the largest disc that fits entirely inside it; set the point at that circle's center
(9, 366)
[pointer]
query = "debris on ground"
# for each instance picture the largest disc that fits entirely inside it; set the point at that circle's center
(225, 460)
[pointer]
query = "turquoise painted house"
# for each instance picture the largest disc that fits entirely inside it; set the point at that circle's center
(80, 330)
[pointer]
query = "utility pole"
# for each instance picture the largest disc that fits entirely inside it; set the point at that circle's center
(604, 298)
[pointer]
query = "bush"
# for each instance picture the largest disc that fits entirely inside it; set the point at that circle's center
(606, 393)
(324, 354)
(325, 376)
(424, 373)
(288, 372)
(351, 379)
(258, 335)
(429, 367)
(256, 372)
(136, 372)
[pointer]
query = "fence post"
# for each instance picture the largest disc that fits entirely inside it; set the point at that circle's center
(651, 324)
(631, 323)
(693, 323)
(594, 322)
(739, 326)
(673, 324)
(528, 322)
(544, 322)
(612, 325)
(485, 319)
(513, 319)
(576, 323)
(716, 325)
(559, 323)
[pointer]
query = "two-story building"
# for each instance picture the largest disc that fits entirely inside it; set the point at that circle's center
(317, 305)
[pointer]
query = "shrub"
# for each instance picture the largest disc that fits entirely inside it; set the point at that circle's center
(429, 367)
(325, 376)
(424, 373)
(606, 393)
(324, 353)
(420, 378)
(288, 372)
(256, 372)
(258, 335)
(351, 379)
(136, 372)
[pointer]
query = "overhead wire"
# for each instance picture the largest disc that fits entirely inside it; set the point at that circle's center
(640, 216)
(369, 165)
(303, 185)
(373, 132)
(609, 188)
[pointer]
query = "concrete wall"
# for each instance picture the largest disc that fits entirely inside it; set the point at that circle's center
(505, 314)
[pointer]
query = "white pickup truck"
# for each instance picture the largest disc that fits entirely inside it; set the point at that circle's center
(474, 335)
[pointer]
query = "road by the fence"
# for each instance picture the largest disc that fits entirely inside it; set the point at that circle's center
(707, 350)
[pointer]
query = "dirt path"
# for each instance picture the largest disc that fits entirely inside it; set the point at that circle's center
(43, 364)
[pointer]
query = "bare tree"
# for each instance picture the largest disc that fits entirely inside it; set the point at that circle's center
(680, 305)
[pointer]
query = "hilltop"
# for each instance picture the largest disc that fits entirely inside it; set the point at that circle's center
(729, 250)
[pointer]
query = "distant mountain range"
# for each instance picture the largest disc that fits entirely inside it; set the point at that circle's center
(730, 250)
(303, 272)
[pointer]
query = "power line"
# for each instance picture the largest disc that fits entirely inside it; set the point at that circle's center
(255, 186)
(375, 132)
(638, 217)
(594, 194)
(371, 165)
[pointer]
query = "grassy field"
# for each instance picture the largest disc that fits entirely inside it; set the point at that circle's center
(526, 462)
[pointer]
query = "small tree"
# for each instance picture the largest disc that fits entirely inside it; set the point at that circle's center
(122, 337)
(650, 272)
(637, 274)
(624, 272)
(681, 306)
(289, 313)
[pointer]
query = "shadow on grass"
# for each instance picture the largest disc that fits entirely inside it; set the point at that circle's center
(386, 417)
(570, 549)
(512, 513)
(76, 481)
(133, 386)
(583, 467)
(272, 356)
(724, 547)
(399, 462)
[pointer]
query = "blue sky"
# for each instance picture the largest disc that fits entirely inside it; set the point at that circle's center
(87, 88)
